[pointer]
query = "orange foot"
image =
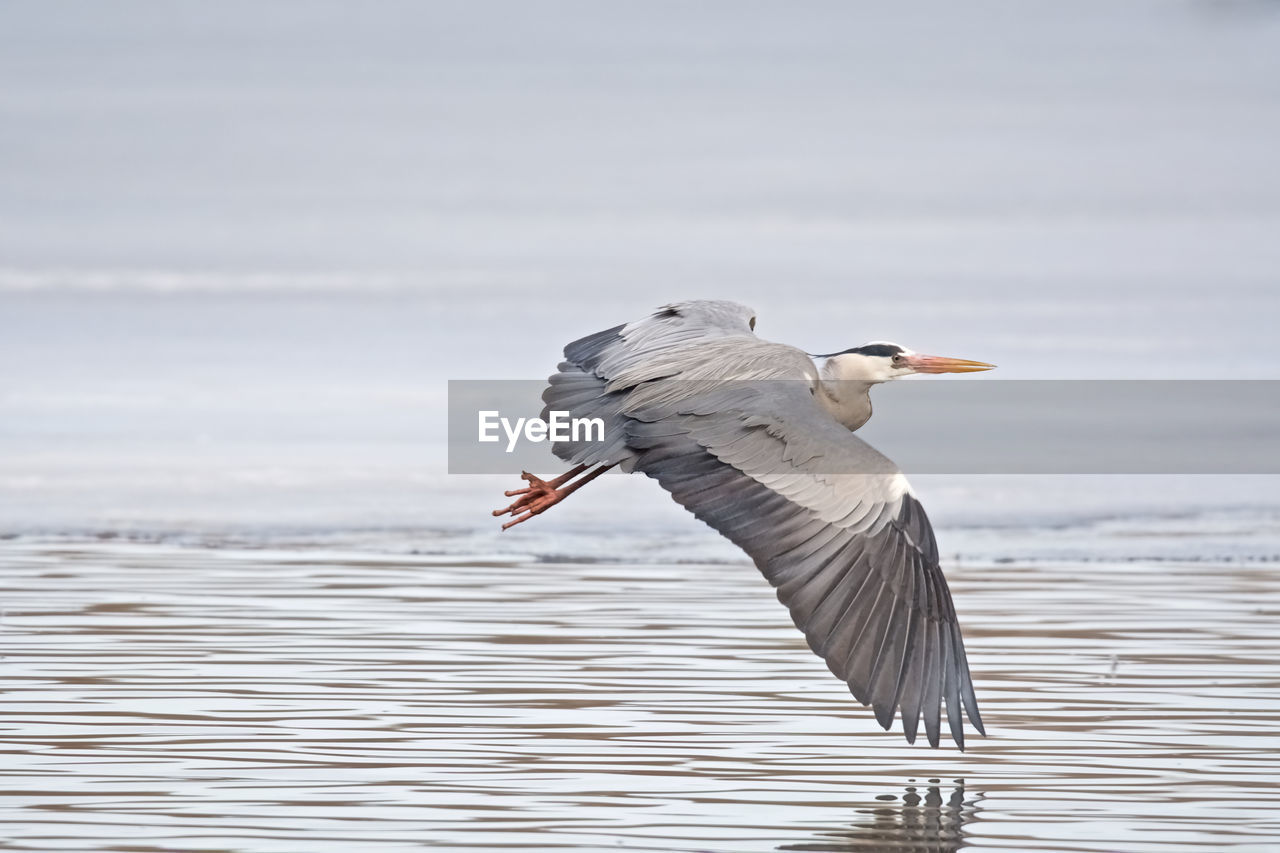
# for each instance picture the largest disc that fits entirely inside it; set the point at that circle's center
(540, 495)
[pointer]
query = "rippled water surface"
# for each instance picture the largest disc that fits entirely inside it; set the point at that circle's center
(160, 697)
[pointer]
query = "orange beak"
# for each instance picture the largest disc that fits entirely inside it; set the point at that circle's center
(938, 364)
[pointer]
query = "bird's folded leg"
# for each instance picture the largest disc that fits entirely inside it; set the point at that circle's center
(537, 484)
(540, 495)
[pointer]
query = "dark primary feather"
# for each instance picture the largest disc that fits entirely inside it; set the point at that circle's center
(852, 555)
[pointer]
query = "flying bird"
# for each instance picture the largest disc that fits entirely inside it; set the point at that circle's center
(755, 439)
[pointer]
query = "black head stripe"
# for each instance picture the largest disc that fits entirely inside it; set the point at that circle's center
(883, 350)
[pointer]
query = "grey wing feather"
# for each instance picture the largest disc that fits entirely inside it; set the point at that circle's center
(583, 384)
(728, 425)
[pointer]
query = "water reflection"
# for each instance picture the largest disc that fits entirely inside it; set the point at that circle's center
(926, 818)
(306, 698)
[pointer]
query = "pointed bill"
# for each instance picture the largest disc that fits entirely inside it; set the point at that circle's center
(941, 364)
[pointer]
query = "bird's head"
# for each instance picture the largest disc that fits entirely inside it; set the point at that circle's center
(880, 361)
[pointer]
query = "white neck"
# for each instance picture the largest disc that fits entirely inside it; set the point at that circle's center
(847, 399)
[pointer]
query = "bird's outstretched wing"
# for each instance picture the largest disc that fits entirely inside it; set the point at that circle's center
(727, 423)
(645, 346)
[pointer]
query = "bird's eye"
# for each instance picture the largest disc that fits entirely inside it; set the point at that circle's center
(899, 360)
(753, 324)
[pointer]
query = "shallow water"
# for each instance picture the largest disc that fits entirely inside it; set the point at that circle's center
(161, 697)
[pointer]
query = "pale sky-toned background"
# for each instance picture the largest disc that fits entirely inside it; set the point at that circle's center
(243, 245)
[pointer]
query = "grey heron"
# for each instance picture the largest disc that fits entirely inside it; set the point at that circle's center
(755, 439)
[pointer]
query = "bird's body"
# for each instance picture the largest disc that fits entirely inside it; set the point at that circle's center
(754, 438)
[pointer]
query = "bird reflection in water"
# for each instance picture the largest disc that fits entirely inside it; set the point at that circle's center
(924, 819)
